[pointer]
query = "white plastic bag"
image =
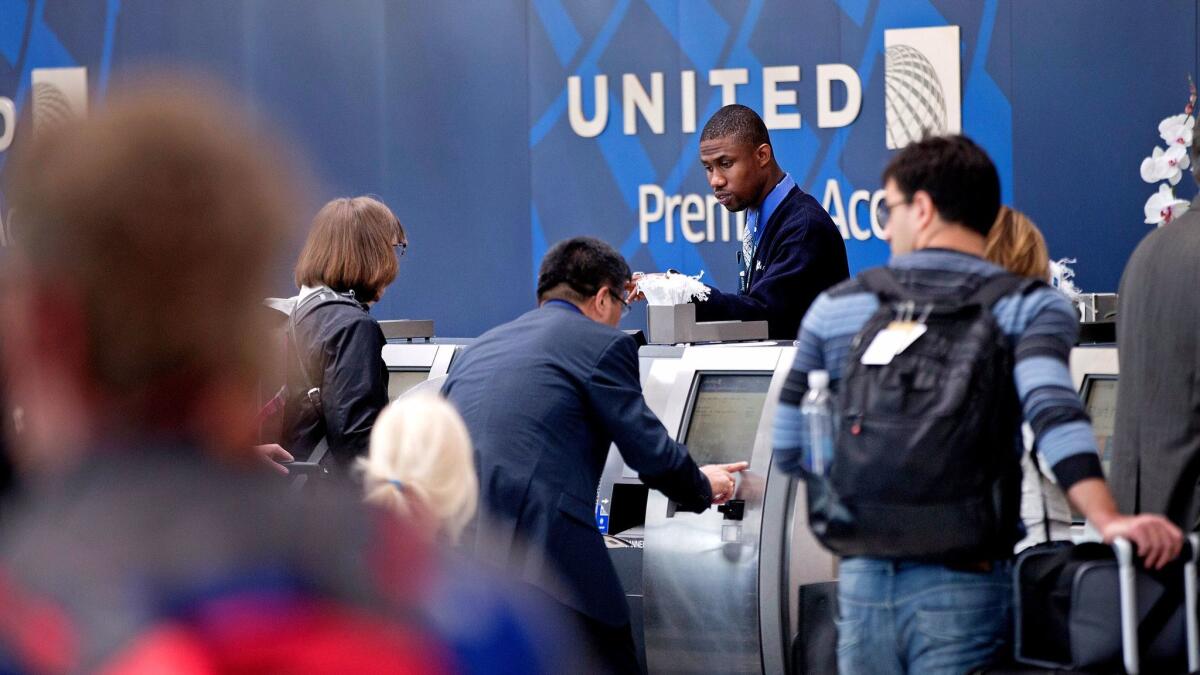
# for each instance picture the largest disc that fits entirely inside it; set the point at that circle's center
(671, 288)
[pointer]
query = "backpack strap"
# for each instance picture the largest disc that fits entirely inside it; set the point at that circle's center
(998, 286)
(882, 281)
(305, 307)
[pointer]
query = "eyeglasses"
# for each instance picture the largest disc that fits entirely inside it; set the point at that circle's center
(883, 211)
(624, 305)
(402, 248)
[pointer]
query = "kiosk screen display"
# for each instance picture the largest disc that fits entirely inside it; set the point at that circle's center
(724, 416)
(400, 381)
(1100, 399)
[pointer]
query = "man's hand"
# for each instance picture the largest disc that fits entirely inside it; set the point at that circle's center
(721, 479)
(1158, 540)
(272, 454)
(632, 294)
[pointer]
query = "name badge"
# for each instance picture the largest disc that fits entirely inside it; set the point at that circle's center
(890, 341)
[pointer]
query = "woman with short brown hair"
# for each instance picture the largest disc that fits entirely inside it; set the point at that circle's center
(351, 248)
(336, 378)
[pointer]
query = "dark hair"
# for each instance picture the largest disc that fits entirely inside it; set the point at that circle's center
(576, 269)
(956, 173)
(737, 121)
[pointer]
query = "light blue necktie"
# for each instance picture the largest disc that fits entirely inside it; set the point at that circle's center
(748, 244)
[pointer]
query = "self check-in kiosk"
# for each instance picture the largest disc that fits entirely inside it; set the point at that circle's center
(717, 590)
(1094, 371)
(411, 364)
(721, 586)
(412, 355)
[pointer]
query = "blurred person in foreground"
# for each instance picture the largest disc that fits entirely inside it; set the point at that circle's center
(420, 468)
(149, 539)
(1016, 244)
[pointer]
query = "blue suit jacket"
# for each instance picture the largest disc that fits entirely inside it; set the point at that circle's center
(800, 254)
(543, 397)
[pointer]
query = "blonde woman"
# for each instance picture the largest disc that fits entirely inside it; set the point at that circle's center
(421, 466)
(1017, 245)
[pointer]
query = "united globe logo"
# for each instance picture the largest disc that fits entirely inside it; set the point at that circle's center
(914, 102)
(59, 95)
(922, 91)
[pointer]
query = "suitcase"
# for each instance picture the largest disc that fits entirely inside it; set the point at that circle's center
(1080, 607)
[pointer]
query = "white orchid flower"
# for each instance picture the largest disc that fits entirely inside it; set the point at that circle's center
(1168, 165)
(1163, 206)
(1177, 130)
(1153, 168)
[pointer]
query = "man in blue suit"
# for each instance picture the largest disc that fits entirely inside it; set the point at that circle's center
(544, 396)
(790, 251)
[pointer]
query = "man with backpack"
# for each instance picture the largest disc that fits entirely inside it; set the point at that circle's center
(935, 360)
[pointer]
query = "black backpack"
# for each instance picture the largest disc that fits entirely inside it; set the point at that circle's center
(925, 463)
(286, 346)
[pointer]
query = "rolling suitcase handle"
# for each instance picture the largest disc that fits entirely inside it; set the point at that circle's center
(1189, 603)
(1127, 576)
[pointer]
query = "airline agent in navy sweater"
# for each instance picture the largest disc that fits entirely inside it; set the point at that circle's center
(791, 250)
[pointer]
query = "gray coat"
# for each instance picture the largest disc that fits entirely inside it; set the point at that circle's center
(1156, 452)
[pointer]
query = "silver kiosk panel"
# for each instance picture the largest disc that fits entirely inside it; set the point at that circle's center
(410, 364)
(721, 586)
(1094, 371)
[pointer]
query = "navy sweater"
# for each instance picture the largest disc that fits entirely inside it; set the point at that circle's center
(800, 254)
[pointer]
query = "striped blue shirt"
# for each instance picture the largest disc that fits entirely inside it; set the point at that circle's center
(1041, 325)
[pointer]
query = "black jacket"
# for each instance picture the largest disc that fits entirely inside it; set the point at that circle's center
(800, 254)
(342, 349)
(543, 397)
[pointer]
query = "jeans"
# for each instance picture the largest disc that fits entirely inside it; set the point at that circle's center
(910, 617)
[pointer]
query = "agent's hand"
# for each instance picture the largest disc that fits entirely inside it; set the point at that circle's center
(272, 454)
(1158, 540)
(721, 479)
(632, 294)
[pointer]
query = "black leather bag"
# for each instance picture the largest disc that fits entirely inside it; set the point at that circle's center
(1092, 607)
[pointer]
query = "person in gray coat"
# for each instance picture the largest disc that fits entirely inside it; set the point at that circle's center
(1156, 450)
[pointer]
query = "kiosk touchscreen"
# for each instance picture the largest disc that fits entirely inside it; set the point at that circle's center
(724, 416)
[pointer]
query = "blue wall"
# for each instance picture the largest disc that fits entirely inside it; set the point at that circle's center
(456, 113)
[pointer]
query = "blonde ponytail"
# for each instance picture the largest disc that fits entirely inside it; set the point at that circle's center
(421, 464)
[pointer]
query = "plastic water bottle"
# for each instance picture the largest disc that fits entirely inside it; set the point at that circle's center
(817, 410)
